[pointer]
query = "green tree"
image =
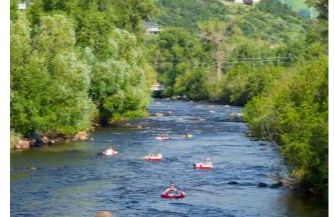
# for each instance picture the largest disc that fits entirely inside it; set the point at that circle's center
(120, 83)
(51, 94)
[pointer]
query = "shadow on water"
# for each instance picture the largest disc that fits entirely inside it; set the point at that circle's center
(70, 179)
(299, 204)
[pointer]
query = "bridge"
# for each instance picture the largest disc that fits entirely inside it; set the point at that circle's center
(157, 90)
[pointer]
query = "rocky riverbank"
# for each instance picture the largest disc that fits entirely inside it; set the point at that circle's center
(37, 140)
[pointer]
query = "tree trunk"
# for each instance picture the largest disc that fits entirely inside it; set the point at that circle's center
(219, 57)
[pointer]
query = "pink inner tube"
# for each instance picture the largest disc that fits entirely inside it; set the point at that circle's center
(202, 166)
(162, 138)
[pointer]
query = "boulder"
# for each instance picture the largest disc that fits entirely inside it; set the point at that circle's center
(22, 144)
(312, 191)
(276, 185)
(233, 183)
(45, 140)
(36, 139)
(103, 213)
(232, 117)
(262, 185)
(81, 136)
(237, 116)
(254, 139)
(286, 183)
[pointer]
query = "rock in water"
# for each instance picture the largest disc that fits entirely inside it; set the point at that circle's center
(262, 185)
(81, 136)
(22, 144)
(36, 139)
(103, 213)
(236, 116)
(276, 185)
(232, 183)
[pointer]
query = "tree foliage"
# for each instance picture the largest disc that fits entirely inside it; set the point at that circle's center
(49, 90)
(73, 62)
(293, 112)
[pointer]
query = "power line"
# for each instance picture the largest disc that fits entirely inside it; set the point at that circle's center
(239, 60)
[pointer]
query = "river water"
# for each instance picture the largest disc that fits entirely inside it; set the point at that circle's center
(70, 179)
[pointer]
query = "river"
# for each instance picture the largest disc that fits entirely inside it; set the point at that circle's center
(70, 179)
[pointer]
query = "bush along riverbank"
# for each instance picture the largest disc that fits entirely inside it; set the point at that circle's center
(293, 112)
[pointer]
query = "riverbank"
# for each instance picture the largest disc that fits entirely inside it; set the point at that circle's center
(37, 140)
(19, 142)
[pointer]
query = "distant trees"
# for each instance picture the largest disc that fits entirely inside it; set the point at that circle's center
(186, 14)
(220, 42)
(321, 6)
(175, 51)
(276, 7)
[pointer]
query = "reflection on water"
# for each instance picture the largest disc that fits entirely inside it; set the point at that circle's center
(70, 179)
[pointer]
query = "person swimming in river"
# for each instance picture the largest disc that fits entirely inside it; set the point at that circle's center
(171, 189)
(187, 135)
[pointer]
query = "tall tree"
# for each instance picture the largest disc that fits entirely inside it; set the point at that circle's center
(218, 33)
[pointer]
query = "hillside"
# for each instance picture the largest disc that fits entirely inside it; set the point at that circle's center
(273, 23)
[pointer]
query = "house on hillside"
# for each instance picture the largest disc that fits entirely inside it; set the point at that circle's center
(22, 6)
(151, 28)
(238, 1)
(247, 2)
(251, 2)
(157, 90)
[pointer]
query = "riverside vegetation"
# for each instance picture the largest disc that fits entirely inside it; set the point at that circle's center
(77, 62)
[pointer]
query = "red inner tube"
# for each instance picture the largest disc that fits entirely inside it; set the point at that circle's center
(173, 196)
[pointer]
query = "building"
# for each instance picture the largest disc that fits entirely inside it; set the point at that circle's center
(22, 6)
(157, 90)
(238, 1)
(151, 28)
(247, 2)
